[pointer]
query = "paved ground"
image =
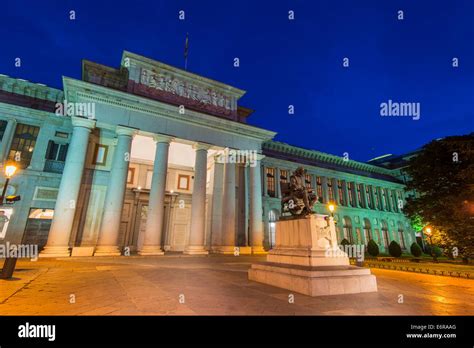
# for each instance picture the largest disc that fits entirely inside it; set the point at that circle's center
(184, 285)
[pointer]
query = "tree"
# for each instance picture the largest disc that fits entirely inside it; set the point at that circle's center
(372, 248)
(415, 249)
(394, 249)
(442, 177)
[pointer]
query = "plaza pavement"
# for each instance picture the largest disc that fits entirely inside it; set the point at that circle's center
(209, 285)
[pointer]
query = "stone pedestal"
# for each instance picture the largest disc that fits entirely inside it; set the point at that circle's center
(307, 259)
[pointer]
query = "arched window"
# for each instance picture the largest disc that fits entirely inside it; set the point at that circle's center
(367, 231)
(401, 235)
(386, 238)
(272, 219)
(347, 229)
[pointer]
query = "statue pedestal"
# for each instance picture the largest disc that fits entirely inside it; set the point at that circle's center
(307, 259)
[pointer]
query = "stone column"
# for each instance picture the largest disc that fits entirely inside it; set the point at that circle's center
(66, 201)
(345, 192)
(372, 197)
(264, 175)
(382, 203)
(156, 203)
(389, 201)
(228, 210)
(354, 194)
(198, 203)
(107, 244)
(324, 184)
(335, 190)
(7, 139)
(217, 202)
(256, 209)
(364, 197)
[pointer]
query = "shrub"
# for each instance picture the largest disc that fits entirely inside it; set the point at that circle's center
(437, 251)
(416, 250)
(345, 242)
(394, 249)
(372, 248)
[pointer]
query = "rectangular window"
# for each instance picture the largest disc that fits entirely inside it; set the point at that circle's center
(283, 176)
(387, 199)
(271, 182)
(130, 175)
(394, 201)
(385, 238)
(330, 190)
(368, 189)
(183, 182)
(350, 192)
(359, 195)
(339, 190)
(100, 154)
(23, 144)
(376, 196)
(307, 181)
(399, 200)
(383, 198)
(56, 152)
(402, 240)
(3, 126)
(61, 135)
(319, 186)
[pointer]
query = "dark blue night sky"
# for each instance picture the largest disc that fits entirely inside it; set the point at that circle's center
(283, 62)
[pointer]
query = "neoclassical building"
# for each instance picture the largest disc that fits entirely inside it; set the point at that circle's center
(148, 158)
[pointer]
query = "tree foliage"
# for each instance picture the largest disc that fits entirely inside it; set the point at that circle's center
(394, 249)
(416, 250)
(372, 248)
(442, 176)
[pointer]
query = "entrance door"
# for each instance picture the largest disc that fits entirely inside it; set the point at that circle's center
(37, 227)
(140, 225)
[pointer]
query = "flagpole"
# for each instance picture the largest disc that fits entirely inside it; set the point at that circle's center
(186, 48)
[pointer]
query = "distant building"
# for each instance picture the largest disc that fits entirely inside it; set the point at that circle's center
(150, 158)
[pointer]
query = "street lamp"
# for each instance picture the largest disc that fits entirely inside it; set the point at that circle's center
(430, 235)
(10, 170)
(10, 262)
(331, 208)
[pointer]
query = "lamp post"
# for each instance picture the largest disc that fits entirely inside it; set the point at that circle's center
(10, 170)
(10, 262)
(428, 232)
(331, 208)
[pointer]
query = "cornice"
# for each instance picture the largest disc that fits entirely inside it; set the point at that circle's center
(318, 156)
(89, 91)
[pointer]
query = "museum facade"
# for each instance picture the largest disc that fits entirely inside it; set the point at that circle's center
(148, 158)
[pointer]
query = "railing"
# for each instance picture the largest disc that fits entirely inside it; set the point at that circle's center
(52, 166)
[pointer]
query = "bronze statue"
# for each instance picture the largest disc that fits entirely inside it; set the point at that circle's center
(297, 199)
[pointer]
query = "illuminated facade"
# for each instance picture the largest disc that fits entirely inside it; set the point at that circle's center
(149, 158)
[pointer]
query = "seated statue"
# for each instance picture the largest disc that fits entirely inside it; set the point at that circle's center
(297, 199)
